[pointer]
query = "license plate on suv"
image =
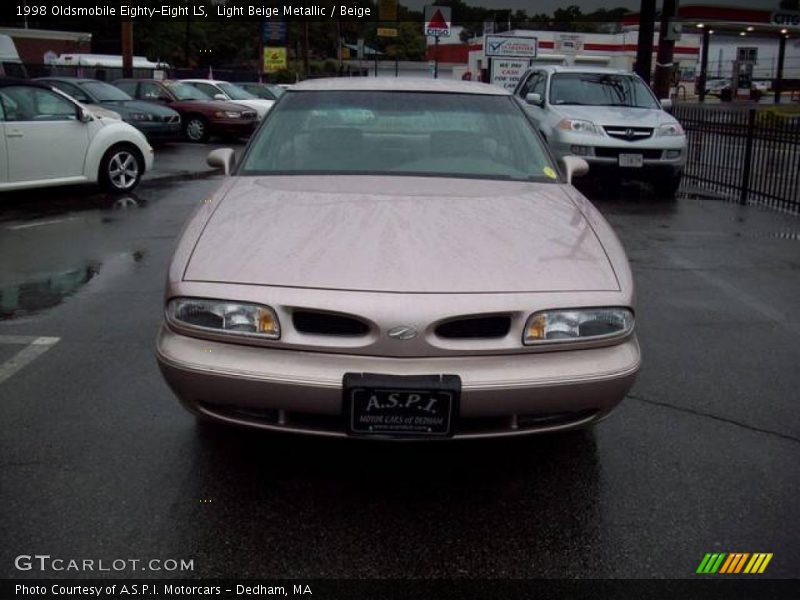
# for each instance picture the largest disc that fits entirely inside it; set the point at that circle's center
(400, 406)
(631, 160)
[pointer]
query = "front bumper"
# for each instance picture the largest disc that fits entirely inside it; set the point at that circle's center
(301, 392)
(237, 127)
(659, 153)
(158, 130)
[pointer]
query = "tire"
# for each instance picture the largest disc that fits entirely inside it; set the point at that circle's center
(667, 189)
(121, 169)
(196, 129)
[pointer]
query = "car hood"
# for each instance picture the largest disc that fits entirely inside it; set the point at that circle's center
(127, 107)
(616, 115)
(400, 234)
(206, 106)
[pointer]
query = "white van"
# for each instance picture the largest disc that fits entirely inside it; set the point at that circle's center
(10, 63)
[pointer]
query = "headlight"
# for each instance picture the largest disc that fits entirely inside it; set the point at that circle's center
(584, 324)
(230, 114)
(669, 129)
(219, 316)
(579, 126)
(140, 117)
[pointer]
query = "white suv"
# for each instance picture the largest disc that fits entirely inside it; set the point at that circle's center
(608, 117)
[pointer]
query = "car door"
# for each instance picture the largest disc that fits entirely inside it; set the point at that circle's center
(44, 137)
(3, 152)
(209, 89)
(153, 92)
(535, 84)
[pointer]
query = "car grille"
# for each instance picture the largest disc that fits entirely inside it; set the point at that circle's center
(631, 134)
(169, 119)
(321, 323)
(462, 426)
(495, 326)
(615, 152)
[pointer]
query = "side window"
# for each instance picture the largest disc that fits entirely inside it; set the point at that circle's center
(151, 91)
(531, 84)
(128, 87)
(72, 90)
(522, 86)
(539, 84)
(207, 88)
(33, 104)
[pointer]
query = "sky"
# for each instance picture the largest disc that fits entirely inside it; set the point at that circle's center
(587, 6)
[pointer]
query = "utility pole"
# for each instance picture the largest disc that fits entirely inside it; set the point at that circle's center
(644, 52)
(666, 48)
(779, 74)
(704, 64)
(127, 48)
(305, 48)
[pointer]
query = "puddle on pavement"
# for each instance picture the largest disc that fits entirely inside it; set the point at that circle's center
(46, 291)
(34, 205)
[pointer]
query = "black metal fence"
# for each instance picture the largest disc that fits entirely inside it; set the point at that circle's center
(750, 154)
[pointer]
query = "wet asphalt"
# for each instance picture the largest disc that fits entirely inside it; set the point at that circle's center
(97, 459)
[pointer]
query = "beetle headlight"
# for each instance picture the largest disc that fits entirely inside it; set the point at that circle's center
(219, 316)
(584, 324)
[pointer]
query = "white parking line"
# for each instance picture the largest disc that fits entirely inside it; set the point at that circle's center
(42, 223)
(34, 348)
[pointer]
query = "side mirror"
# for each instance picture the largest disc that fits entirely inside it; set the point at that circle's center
(222, 158)
(534, 99)
(84, 116)
(666, 103)
(574, 167)
(220, 97)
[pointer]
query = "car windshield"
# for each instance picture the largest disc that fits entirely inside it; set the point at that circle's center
(399, 133)
(186, 92)
(600, 89)
(104, 92)
(235, 92)
(276, 90)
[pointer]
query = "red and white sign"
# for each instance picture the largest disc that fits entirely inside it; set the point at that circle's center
(437, 21)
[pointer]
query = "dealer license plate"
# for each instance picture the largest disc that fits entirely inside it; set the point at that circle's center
(400, 406)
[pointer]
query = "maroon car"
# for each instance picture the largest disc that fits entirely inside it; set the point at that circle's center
(201, 115)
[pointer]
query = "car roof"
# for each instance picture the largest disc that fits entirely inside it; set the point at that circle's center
(9, 81)
(398, 84)
(599, 70)
(67, 79)
(203, 80)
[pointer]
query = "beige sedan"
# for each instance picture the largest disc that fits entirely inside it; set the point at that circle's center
(399, 259)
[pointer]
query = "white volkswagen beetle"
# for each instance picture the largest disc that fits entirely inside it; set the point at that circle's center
(50, 139)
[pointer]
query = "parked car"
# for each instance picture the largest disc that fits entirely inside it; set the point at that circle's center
(154, 121)
(268, 91)
(715, 86)
(608, 117)
(201, 116)
(399, 258)
(50, 139)
(223, 90)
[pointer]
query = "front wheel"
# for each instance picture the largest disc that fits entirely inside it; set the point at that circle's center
(121, 169)
(196, 129)
(667, 188)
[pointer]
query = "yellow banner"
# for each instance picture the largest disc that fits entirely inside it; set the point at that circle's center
(274, 59)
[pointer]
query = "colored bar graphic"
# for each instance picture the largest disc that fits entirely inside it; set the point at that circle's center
(734, 563)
